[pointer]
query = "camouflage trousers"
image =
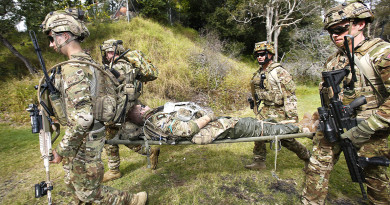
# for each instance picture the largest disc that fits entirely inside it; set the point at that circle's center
(325, 156)
(84, 174)
(112, 151)
(278, 114)
(260, 149)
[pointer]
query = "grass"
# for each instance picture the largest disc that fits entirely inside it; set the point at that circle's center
(211, 174)
(169, 49)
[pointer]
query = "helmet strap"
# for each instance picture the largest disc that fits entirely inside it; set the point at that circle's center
(59, 46)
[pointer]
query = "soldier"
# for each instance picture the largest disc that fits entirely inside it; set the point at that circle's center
(187, 121)
(273, 86)
(111, 49)
(81, 146)
(372, 60)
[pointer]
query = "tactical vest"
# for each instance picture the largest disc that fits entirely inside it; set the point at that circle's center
(108, 96)
(183, 111)
(270, 83)
(130, 85)
(272, 95)
(369, 82)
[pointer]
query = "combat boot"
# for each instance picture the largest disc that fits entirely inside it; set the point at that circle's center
(154, 153)
(112, 174)
(139, 198)
(256, 165)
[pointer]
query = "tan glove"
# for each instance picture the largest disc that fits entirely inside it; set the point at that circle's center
(309, 123)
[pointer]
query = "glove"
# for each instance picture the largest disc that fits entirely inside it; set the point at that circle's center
(309, 123)
(359, 134)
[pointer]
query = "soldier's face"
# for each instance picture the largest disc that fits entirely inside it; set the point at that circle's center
(136, 114)
(60, 37)
(260, 56)
(109, 55)
(338, 31)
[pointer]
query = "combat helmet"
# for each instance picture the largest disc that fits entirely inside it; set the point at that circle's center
(68, 20)
(354, 9)
(109, 45)
(264, 46)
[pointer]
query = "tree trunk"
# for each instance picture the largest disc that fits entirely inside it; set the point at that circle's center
(7, 44)
(276, 42)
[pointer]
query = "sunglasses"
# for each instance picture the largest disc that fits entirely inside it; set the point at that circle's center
(260, 54)
(51, 38)
(339, 29)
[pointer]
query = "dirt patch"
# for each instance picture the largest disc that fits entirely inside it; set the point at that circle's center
(176, 180)
(285, 186)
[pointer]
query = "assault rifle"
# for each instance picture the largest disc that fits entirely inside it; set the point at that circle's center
(41, 122)
(336, 118)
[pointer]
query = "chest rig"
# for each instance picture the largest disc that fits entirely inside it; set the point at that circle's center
(267, 85)
(368, 78)
(167, 114)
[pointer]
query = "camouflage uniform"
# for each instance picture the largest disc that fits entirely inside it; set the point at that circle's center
(128, 74)
(82, 144)
(171, 127)
(376, 112)
(277, 92)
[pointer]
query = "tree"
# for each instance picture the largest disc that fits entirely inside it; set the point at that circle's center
(10, 16)
(276, 14)
(381, 27)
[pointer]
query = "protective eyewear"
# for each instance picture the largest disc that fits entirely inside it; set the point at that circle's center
(51, 38)
(262, 54)
(339, 29)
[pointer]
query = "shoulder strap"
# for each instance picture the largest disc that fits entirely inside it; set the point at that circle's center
(368, 69)
(274, 75)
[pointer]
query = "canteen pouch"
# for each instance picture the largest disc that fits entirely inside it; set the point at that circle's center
(59, 108)
(105, 108)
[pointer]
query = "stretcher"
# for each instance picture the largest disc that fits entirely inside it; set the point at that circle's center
(141, 141)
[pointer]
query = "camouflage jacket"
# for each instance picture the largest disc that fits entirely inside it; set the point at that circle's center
(73, 80)
(169, 126)
(130, 74)
(277, 93)
(376, 89)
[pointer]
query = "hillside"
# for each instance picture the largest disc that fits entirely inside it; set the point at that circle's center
(190, 67)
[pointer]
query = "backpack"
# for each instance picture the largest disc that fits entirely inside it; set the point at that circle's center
(109, 98)
(147, 71)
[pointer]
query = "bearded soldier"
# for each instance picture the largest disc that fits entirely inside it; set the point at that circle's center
(188, 121)
(81, 146)
(370, 137)
(129, 75)
(273, 86)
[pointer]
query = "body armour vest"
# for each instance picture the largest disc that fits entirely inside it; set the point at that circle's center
(369, 82)
(173, 118)
(276, 89)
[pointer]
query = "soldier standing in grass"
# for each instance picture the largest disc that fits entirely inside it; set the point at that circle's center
(273, 86)
(81, 146)
(111, 49)
(370, 137)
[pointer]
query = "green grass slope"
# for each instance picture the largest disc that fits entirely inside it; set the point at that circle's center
(184, 60)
